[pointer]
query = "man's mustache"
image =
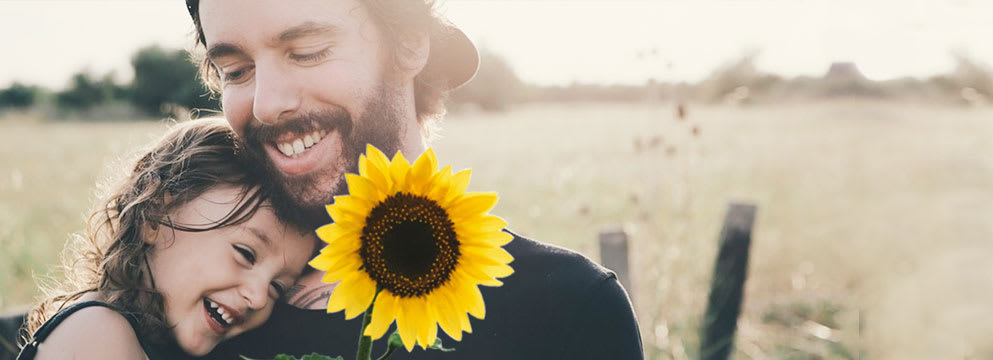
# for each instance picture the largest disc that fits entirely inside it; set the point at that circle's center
(258, 133)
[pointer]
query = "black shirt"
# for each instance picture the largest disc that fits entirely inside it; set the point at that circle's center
(152, 350)
(556, 305)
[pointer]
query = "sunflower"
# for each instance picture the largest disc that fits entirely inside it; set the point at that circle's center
(409, 241)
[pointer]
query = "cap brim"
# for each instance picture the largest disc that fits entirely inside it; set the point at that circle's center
(456, 57)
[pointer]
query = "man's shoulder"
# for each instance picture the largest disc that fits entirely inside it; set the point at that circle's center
(544, 263)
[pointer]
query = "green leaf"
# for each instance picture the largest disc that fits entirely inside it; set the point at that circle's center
(316, 356)
(313, 356)
(395, 340)
(437, 346)
(392, 345)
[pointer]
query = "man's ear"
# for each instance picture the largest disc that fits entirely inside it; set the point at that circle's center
(412, 53)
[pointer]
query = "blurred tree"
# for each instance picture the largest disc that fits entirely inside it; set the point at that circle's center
(167, 77)
(972, 74)
(18, 96)
(495, 86)
(84, 92)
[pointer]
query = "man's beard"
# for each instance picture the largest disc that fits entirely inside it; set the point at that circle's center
(301, 199)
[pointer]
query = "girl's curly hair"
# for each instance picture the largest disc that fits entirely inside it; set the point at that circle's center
(109, 259)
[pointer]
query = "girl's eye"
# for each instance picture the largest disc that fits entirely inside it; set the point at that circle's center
(246, 253)
(317, 56)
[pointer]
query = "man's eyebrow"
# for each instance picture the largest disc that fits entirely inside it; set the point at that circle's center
(305, 29)
(223, 49)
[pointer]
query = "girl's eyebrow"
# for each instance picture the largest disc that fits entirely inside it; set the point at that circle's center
(262, 236)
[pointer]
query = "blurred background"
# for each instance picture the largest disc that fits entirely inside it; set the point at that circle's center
(860, 130)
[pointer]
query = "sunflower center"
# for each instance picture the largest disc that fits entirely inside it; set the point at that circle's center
(410, 248)
(409, 245)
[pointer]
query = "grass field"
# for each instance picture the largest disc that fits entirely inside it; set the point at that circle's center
(871, 240)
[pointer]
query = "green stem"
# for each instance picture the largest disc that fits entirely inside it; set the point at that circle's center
(365, 342)
(387, 353)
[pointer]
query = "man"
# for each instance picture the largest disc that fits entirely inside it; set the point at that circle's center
(307, 84)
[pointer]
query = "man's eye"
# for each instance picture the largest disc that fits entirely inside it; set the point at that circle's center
(279, 290)
(246, 253)
(236, 75)
(317, 56)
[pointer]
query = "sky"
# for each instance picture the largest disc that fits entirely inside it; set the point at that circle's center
(559, 42)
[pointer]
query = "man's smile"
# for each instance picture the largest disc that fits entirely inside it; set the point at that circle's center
(292, 147)
(298, 154)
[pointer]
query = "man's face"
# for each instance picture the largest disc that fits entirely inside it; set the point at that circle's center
(306, 85)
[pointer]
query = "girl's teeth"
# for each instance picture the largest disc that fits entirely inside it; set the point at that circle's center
(220, 310)
(227, 318)
(213, 305)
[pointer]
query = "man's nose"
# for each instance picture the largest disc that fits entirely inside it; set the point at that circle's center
(275, 95)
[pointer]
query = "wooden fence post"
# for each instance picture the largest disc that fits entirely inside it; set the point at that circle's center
(727, 287)
(614, 255)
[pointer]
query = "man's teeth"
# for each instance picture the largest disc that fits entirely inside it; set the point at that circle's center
(299, 145)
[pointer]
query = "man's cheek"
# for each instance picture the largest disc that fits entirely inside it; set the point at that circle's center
(237, 110)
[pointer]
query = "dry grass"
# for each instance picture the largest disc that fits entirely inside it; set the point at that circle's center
(869, 242)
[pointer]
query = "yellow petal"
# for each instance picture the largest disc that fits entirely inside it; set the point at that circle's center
(321, 262)
(331, 232)
(340, 268)
(448, 313)
(440, 183)
(383, 314)
(377, 158)
(339, 298)
(480, 225)
(472, 204)
(363, 188)
(460, 182)
(342, 247)
(423, 319)
(433, 328)
(378, 175)
(363, 167)
(499, 256)
(399, 168)
(500, 271)
(425, 166)
(336, 266)
(479, 276)
(362, 293)
(489, 238)
(464, 322)
(406, 328)
(473, 300)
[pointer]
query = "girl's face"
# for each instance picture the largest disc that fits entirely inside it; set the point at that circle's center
(222, 282)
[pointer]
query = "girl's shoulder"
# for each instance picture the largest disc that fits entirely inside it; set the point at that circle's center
(90, 330)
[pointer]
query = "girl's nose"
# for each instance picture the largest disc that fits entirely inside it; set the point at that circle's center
(256, 293)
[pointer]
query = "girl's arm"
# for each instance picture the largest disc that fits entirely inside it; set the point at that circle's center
(95, 332)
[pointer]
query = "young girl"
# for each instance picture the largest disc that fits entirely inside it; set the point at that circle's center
(184, 253)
